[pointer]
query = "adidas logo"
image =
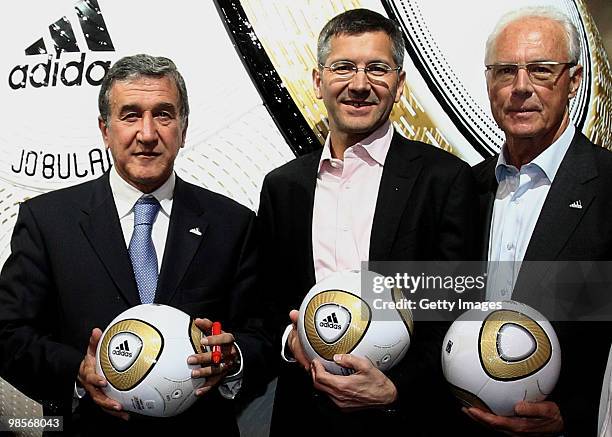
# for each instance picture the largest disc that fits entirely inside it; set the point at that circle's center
(330, 321)
(64, 40)
(123, 349)
(576, 205)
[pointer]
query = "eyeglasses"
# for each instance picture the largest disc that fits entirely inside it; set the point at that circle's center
(347, 69)
(540, 73)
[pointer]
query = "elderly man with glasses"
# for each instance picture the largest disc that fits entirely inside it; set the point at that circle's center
(546, 197)
(369, 195)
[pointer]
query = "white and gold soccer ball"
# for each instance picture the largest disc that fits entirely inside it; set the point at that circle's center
(143, 356)
(338, 317)
(496, 358)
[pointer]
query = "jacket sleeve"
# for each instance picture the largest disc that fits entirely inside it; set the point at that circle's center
(274, 302)
(30, 357)
(458, 218)
(418, 378)
(247, 315)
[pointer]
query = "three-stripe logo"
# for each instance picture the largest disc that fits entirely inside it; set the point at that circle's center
(123, 349)
(123, 346)
(63, 39)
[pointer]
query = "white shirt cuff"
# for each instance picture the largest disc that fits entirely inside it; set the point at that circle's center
(231, 384)
(286, 353)
(78, 394)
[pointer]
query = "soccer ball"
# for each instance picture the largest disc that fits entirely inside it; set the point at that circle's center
(143, 356)
(493, 359)
(337, 316)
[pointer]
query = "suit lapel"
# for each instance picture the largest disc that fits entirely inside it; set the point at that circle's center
(558, 220)
(101, 226)
(401, 169)
(487, 187)
(186, 232)
(302, 199)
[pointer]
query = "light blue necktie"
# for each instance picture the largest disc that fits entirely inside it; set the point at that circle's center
(142, 250)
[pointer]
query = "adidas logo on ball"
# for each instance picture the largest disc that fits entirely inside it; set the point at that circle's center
(330, 321)
(123, 349)
(337, 318)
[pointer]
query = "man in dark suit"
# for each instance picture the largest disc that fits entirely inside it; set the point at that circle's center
(75, 265)
(370, 194)
(546, 197)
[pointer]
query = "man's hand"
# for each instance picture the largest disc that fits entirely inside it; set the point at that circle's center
(293, 341)
(367, 387)
(532, 419)
(93, 383)
(213, 373)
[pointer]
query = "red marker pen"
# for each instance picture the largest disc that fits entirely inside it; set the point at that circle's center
(216, 349)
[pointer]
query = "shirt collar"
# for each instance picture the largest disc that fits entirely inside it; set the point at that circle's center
(125, 195)
(548, 161)
(376, 145)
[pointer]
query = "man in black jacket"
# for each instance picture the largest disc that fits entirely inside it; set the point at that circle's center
(369, 195)
(75, 264)
(546, 197)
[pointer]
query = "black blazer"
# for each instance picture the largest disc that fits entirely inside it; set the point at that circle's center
(69, 271)
(567, 234)
(426, 210)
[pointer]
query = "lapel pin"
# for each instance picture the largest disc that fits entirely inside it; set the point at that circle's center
(577, 204)
(196, 231)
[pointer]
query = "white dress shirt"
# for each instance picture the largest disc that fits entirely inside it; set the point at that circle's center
(125, 197)
(518, 203)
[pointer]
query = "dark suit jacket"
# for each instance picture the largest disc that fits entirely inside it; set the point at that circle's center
(567, 234)
(426, 210)
(69, 271)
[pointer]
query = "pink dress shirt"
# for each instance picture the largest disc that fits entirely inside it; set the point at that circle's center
(344, 203)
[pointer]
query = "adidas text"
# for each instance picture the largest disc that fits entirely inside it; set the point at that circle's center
(331, 325)
(46, 74)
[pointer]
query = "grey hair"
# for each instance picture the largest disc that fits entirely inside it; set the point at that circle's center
(132, 67)
(549, 12)
(357, 22)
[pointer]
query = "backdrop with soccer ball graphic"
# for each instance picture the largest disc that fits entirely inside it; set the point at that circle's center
(248, 66)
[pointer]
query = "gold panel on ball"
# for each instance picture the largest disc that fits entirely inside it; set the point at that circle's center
(195, 335)
(152, 345)
(404, 313)
(468, 399)
(361, 315)
(503, 370)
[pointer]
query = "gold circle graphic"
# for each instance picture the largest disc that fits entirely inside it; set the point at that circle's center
(360, 320)
(152, 346)
(498, 368)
